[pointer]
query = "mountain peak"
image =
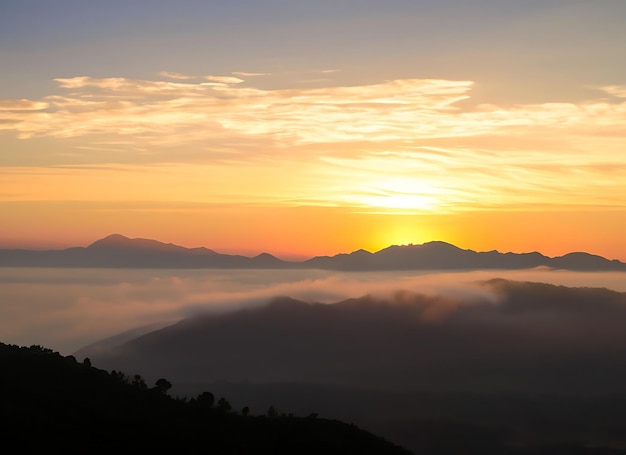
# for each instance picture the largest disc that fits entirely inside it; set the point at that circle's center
(118, 241)
(439, 243)
(361, 252)
(112, 240)
(434, 246)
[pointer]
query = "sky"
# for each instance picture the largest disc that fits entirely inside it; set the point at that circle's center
(304, 128)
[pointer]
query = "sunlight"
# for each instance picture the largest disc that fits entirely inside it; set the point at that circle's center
(405, 194)
(405, 201)
(401, 231)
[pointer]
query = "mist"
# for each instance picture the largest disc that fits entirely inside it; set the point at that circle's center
(423, 359)
(66, 309)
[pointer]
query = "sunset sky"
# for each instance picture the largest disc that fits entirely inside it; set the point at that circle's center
(315, 127)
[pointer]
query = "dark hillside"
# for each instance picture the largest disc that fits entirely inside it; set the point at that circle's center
(53, 402)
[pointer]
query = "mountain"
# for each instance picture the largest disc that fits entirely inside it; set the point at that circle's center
(517, 363)
(121, 243)
(535, 334)
(119, 251)
(433, 256)
(53, 402)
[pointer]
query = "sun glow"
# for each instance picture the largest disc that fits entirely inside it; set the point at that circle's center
(400, 229)
(404, 194)
(404, 201)
(316, 170)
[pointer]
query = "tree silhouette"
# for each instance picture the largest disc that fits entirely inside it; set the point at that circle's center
(139, 382)
(162, 385)
(206, 399)
(223, 405)
(49, 395)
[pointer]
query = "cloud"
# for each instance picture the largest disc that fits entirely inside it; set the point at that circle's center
(395, 110)
(69, 309)
(514, 337)
(171, 75)
(246, 74)
(153, 111)
(225, 79)
(615, 90)
(487, 156)
(22, 105)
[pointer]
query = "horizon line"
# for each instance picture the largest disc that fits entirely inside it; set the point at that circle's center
(294, 257)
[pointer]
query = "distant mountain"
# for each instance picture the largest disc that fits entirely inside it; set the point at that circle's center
(430, 256)
(120, 251)
(121, 243)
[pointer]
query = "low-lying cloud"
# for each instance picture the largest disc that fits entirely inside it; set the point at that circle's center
(67, 309)
(517, 337)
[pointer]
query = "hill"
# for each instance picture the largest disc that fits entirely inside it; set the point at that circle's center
(50, 402)
(517, 336)
(518, 365)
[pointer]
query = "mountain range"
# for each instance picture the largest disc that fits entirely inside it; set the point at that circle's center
(119, 251)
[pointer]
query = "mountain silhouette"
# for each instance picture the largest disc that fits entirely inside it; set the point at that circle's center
(120, 242)
(538, 335)
(430, 256)
(119, 251)
(539, 363)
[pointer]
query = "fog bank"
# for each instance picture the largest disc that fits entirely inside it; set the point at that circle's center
(66, 309)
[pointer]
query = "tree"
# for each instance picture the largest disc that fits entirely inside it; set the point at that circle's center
(119, 376)
(206, 399)
(139, 382)
(162, 385)
(245, 411)
(223, 405)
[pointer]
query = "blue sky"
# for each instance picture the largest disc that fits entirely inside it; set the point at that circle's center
(519, 47)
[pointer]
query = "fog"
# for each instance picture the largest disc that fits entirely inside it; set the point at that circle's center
(66, 309)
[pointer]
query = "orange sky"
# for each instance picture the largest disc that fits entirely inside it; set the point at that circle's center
(301, 232)
(365, 143)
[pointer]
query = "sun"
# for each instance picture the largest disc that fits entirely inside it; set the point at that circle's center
(403, 202)
(403, 195)
(400, 230)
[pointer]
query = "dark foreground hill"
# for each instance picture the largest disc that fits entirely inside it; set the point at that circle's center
(52, 403)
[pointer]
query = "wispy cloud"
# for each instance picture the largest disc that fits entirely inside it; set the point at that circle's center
(22, 105)
(616, 90)
(171, 75)
(396, 110)
(412, 130)
(246, 74)
(225, 79)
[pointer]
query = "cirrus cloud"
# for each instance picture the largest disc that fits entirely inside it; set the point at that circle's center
(436, 151)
